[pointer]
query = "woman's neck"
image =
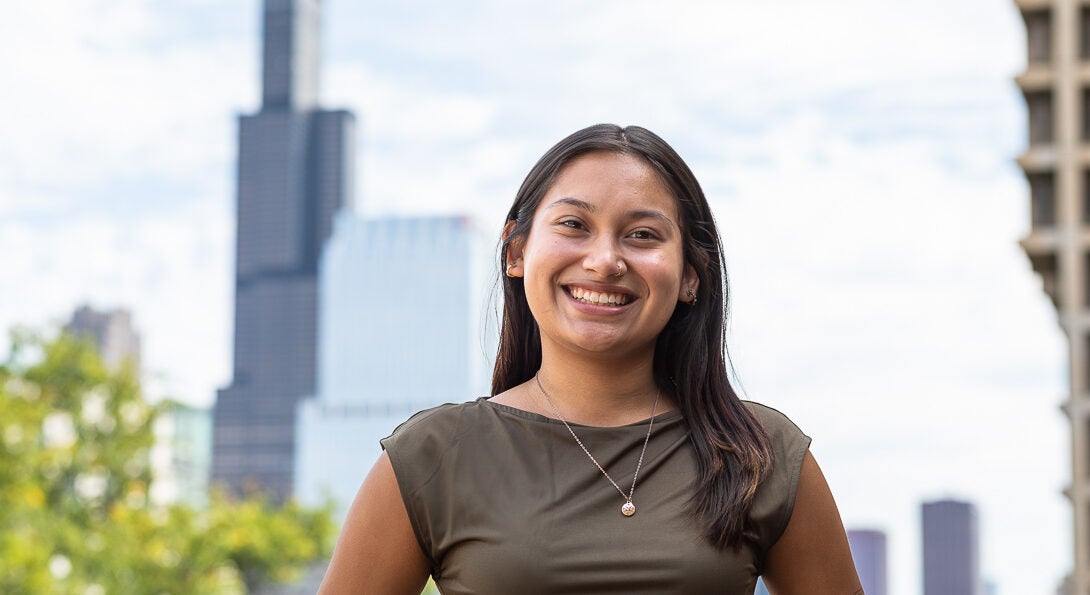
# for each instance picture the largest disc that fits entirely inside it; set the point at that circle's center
(600, 392)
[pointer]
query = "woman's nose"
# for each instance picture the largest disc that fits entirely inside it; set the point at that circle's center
(605, 259)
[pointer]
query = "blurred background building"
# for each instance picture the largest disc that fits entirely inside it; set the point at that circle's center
(1056, 87)
(400, 330)
(294, 173)
(111, 332)
(951, 549)
(181, 459)
(869, 553)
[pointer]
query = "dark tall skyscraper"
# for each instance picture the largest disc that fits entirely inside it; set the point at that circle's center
(951, 550)
(294, 173)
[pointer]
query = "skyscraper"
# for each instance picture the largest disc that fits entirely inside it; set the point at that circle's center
(1057, 94)
(869, 553)
(294, 173)
(400, 330)
(951, 549)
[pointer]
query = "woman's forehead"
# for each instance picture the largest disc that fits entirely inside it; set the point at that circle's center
(606, 180)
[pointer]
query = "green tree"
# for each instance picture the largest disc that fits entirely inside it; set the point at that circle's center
(75, 513)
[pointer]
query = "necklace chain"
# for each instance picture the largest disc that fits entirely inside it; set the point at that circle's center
(628, 509)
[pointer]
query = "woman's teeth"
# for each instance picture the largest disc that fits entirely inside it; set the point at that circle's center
(598, 298)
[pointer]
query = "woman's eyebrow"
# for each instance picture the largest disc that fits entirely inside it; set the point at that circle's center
(649, 214)
(575, 202)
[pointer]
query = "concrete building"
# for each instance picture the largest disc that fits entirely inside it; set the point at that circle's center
(294, 173)
(112, 333)
(869, 553)
(1056, 87)
(402, 328)
(951, 549)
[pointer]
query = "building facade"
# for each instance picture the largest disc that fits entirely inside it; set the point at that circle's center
(402, 328)
(1056, 87)
(951, 549)
(869, 553)
(294, 173)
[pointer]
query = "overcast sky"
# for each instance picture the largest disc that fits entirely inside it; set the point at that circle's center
(859, 156)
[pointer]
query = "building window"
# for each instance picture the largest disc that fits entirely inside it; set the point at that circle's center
(1045, 266)
(1042, 199)
(1086, 424)
(1086, 115)
(1038, 36)
(1084, 33)
(1086, 197)
(1086, 279)
(1039, 105)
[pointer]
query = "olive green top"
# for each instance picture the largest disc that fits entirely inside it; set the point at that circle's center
(504, 501)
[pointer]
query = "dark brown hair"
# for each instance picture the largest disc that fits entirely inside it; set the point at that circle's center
(731, 447)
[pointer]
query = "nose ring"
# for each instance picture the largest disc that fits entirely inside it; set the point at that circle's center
(620, 269)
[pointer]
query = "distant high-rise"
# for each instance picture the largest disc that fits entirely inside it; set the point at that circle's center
(400, 330)
(1057, 93)
(869, 554)
(294, 173)
(111, 332)
(951, 549)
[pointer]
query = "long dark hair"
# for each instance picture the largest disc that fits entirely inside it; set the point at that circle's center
(732, 449)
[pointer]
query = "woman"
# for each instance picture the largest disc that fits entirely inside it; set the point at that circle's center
(613, 456)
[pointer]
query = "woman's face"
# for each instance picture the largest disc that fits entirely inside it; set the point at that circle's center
(603, 263)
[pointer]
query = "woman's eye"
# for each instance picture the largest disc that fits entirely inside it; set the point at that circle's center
(643, 234)
(571, 224)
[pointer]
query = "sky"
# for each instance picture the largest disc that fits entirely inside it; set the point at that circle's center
(858, 154)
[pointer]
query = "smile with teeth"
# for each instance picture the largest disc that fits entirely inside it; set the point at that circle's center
(598, 298)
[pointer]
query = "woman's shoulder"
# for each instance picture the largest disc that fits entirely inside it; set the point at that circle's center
(775, 423)
(418, 447)
(443, 422)
(775, 497)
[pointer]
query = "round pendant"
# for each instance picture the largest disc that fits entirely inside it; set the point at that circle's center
(628, 509)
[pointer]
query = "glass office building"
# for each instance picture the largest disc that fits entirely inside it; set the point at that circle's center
(402, 327)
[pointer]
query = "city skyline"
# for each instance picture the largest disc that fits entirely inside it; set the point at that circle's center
(865, 184)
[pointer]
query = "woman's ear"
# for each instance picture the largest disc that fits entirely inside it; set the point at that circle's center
(690, 284)
(513, 254)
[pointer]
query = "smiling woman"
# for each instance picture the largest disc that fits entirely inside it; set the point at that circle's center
(613, 454)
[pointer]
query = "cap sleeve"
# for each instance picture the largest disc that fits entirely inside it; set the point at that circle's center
(775, 496)
(416, 450)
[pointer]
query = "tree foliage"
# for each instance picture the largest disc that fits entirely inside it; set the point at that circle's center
(75, 473)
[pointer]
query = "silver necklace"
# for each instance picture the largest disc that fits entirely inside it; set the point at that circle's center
(628, 508)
